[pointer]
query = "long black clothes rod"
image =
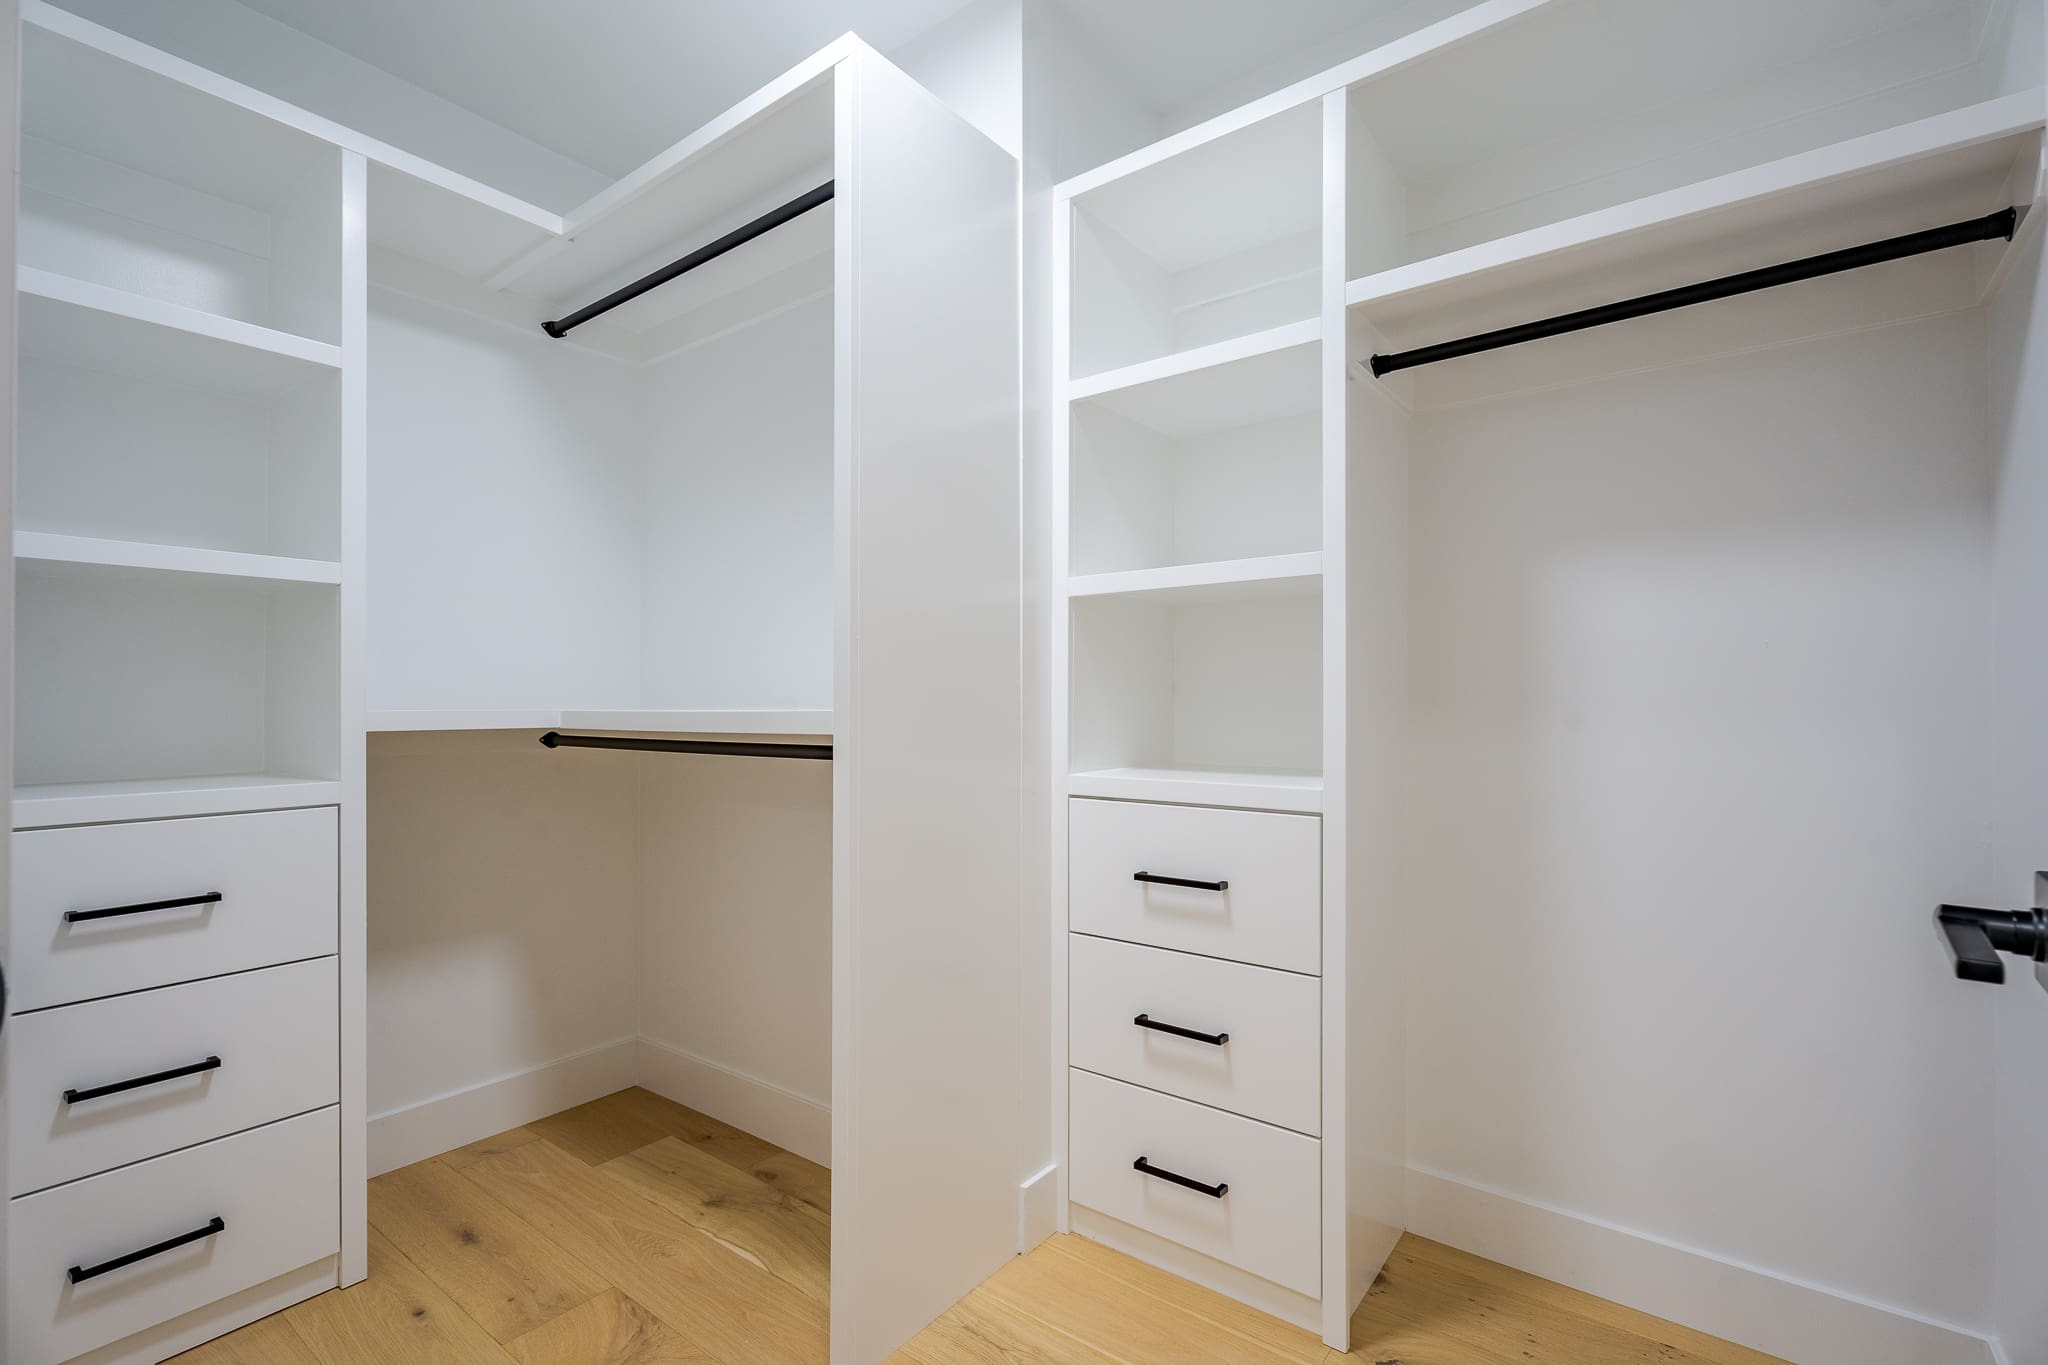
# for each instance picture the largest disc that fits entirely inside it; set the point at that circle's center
(711, 251)
(1988, 228)
(733, 748)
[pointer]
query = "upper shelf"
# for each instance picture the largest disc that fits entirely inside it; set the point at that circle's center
(1947, 168)
(92, 326)
(783, 723)
(128, 554)
(1232, 580)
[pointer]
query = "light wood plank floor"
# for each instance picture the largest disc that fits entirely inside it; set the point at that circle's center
(633, 1231)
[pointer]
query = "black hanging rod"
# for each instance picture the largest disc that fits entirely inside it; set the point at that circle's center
(730, 747)
(2001, 224)
(711, 251)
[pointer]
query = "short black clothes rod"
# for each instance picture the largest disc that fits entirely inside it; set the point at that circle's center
(1988, 228)
(733, 748)
(710, 251)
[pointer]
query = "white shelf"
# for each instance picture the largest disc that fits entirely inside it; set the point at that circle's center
(78, 803)
(810, 724)
(1192, 363)
(806, 724)
(129, 554)
(387, 722)
(1924, 174)
(1233, 580)
(91, 326)
(1285, 791)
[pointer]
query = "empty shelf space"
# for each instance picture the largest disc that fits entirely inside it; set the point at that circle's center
(1923, 174)
(94, 326)
(1234, 580)
(1475, 139)
(1223, 241)
(1284, 791)
(128, 554)
(78, 803)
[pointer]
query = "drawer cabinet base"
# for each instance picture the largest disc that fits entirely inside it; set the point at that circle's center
(1283, 1303)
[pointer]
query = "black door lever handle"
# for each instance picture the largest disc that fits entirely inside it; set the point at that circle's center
(1977, 937)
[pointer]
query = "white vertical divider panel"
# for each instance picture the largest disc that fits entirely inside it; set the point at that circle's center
(10, 181)
(1336, 710)
(1059, 657)
(929, 1114)
(353, 720)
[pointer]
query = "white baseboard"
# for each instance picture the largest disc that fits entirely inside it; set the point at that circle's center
(791, 1121)
(431, 1127)
(1739, 1303)
(1038, 1214)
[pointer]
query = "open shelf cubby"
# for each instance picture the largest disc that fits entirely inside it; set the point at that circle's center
(1480, 139)
(1221, 463)
(143, 184)
(134, 429)
(1218, 686)
(1221, 242)
(172, 680)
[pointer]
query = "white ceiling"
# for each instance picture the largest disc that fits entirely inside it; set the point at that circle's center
(608, 84)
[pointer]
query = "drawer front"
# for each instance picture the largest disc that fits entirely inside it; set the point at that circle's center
(275, 1033)
(1270, 1220)
(276, 1190)
(1269, 914)
(1271, 1067)
(274, 872)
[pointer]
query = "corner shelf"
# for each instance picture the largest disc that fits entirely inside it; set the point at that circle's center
(94, 326)
(1252, 790)
(82, 803)
(810, 724)
(1232, 580)
(128, 554)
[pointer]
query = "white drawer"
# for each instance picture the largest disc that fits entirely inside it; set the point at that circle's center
(1270, 912)
(275, 1034)
(1271, 1067)
(274, 872)
(1270, 1220)
(276, 1190)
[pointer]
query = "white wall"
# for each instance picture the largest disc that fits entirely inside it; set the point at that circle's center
(974, 61)
(1695, 749)
(735, 505)
(2019, 794)
(735, 932)
(504, 525)
(504, 883)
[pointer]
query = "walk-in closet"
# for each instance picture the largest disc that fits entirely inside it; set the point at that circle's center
(934, 682)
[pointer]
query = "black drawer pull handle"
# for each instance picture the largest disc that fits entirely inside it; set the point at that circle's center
(1147, 1021)
(74, 1096)
(1179, 881)
(80, 1274)
(74, 916)
(1147, 1168)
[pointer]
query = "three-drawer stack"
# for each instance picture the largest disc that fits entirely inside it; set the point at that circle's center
(173, 1070)
(1195, 1029)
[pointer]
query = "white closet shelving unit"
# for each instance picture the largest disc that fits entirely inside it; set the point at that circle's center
(1294, 662)
(297, 465)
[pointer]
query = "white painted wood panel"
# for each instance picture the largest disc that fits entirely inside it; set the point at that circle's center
(1269, 914)
(273, 1188)
(1268, 1222)
(275, 872)
(1268, 1070)
(931, 1130)
(274, 1032)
